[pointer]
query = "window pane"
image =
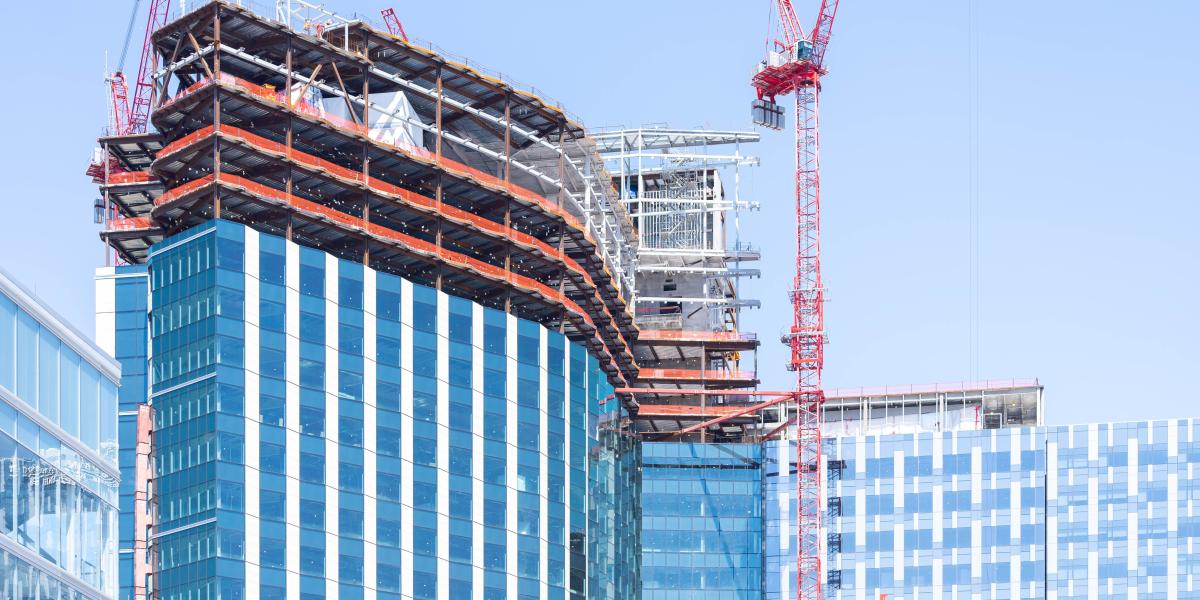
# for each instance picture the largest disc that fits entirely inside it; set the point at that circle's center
(68, 384)
(8, 324)
(48, 376)
(27, 334)
(108, 420)
(89, 401)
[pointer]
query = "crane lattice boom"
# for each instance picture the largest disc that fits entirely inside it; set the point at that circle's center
(792, 32)
(143, 90)
(393, 23)
(798, 68)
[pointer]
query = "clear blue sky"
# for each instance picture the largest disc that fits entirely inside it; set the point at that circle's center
(1088, 154)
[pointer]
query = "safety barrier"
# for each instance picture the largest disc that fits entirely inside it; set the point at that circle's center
(695, 375)
(675, 335)
(128, 177)
(131, 223)
(687, 410)
(409, 243)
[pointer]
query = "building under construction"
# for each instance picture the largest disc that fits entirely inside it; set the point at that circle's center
(392, 327)
(393, 301)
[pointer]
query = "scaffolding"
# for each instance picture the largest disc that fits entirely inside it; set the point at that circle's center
(689, 265)
(682, 190)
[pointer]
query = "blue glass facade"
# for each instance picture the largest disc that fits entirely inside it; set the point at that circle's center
(58, 456)
(323, 429)
(122, 296)
(614, 565)
(1085, 511)
(701, 521)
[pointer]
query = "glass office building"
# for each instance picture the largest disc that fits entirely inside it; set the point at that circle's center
(615, 514)
(322, 429)
(1084, 511)
(121, 331)
(58, 456)
(701, 521)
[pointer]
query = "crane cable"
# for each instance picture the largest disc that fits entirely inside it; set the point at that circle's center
(128, 35)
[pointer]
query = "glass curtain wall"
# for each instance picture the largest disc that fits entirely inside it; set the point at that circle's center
(327, 427)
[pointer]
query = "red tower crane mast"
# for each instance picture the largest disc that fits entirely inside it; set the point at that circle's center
(797, 65)
(119, 117)
(130, 118)
(143, 91)
(393, 23)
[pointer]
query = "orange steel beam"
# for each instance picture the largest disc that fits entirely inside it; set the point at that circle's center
(684, 411)
(695, 375)
(414, 246)
(670, 392)
(735, 414)
(669, 335)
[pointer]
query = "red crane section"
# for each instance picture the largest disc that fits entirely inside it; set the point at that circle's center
(143, 91)
(394, 26)
(797, 66)
(120, 103)
(792, 32)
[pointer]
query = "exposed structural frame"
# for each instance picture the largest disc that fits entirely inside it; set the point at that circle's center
(375, 149)
(670, 181)
(860, 411)
(603, 216)
(530, 194)
(682, 190)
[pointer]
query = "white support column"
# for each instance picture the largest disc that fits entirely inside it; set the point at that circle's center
(292, 416)
(332, 506)
(567, 478)
(443, 445)
(251, 408)
(543, 462)
(406, 436)
(370, 441)
(477, 431)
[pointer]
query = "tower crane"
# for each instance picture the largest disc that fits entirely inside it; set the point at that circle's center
(796, 65)
(393, 23)
(143, 91)
(130, 118)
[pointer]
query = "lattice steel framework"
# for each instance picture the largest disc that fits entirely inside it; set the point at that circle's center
(797, 66)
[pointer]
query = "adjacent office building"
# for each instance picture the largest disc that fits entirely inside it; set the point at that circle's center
(1083, 511)
(58, 455)
(925, 501)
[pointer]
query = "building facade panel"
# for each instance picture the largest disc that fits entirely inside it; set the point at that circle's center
(701, 521)
(123, 333)
(1082, 511)
(324, 428)
(58, 456)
